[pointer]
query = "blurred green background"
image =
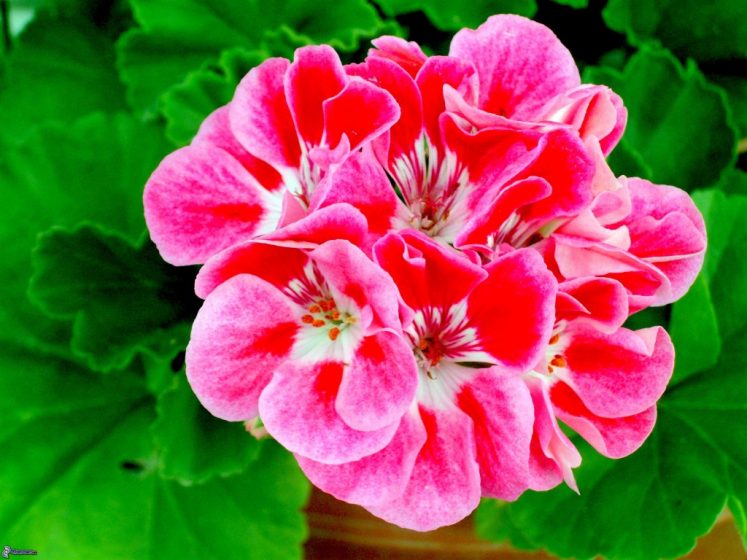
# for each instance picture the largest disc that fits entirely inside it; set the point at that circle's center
(105, 451)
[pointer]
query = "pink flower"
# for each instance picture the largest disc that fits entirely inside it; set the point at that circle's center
(416, 266)
(304, 332)
(474, 332)
(655, 249)
(255, 163)
(599, 378)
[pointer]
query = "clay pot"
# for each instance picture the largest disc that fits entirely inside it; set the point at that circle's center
(342, 531)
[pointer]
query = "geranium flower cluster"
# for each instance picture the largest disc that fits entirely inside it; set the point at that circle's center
(417, 266)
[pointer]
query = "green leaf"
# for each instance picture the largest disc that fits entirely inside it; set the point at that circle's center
(194, 445)
(186, 105)
(59, 70)
(93, 170)
(655, 503)
(736, 92)
(702, 30)
(625, 160)
(124, 299)
(452, 16)
(179, 36)
(80, 479)
(678, 123)
(575, 4)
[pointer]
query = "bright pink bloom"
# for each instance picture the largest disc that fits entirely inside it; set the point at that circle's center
(304, 332)
(599, 378)
(655, 249)
(255, 163)
(474, 332)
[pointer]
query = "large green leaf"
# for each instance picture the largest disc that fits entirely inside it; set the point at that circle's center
(702, 30)
(179, 36)
(194, 446)
(736, 92)
(123, 298)
(655, 503)
(679, 124)
(451, 16)
(187, 104)
(80, 478)
(93, 170)
(59, 70)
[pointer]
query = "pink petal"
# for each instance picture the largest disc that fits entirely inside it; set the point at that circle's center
(594, 111)
(562, 160)
(406, 54)
(360, 112)
(645, 283)
(242, 333)
(601, 302)
(612, 437)
(361, 182)
(445, 483)
(351, 274)
(426, 273)
(201, 200)
(553, 455)
(521, 65)
(216, 130)
(503, 416)
(315, 76)
(298, 409)
(379, 384)
(276, 257)
(513, 310)
(667, 230)
(377, 478)
(496, 207)
(437, 72)
(618, 374)
(405, 132)
(260, 117)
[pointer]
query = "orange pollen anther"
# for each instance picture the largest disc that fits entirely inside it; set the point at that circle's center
(315, 309)
(554, 339)
(335, 315)
(558, 361)
(327, 305)
(549, 369)
(308, 319)
(333, 333)
(318, 323)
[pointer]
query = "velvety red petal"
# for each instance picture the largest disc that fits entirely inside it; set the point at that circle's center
(437, 72)
(503, 416)
(402, 136)
(243, 332)
(445, 483)
(426, 273)
(201, 200)
(360, 112)
(603, 302)
(315, 75)
(377, 478)
(521, 64)
(513, 310)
